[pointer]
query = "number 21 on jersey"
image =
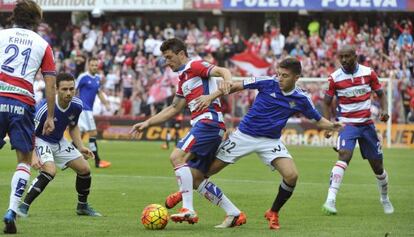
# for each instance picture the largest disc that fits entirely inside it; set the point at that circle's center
(15, 54)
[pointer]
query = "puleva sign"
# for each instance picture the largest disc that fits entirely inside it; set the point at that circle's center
(315, 5)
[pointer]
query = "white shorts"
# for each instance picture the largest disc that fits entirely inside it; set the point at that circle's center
(239, 144)
(60, 154)
(86, 121)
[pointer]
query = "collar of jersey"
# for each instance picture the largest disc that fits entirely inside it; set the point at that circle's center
(184, 67)
(356, 69)
(288, 93)
(57, 105)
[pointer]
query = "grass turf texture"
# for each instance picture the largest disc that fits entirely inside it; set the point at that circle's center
(141, 174)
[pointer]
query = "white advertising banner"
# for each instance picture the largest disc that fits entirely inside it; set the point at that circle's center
(111, 5)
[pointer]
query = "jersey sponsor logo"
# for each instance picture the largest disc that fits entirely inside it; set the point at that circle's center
(12, 109)
(7, 88)
(249, 80)
(356, 92)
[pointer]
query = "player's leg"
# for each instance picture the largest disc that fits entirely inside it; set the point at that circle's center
(175, 198)
(274, 154)
(287, 169)
(184, 177)
(83, 185)
(345, 145)
(93, 145)
(370, 147)
(46, 174)
(209, 190)
(87, 124)
(202, 141)
(20, 128)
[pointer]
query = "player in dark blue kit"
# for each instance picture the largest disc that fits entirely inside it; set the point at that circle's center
(260, 130)
(88, 86)
(54, 150)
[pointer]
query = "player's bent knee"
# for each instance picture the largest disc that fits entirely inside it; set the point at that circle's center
(177, 160)
(49, 168)
(82, 170)
(291, 178)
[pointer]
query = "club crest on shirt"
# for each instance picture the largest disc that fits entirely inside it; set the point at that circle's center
(71, 117)
(205, 64)
(292, 104)
(249, 80)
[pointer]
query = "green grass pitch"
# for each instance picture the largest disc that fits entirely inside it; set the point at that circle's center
(141, 174)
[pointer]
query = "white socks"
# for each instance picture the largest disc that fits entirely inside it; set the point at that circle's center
(213, 194)
(337, 175)
(18, 184)
(383, 185)
(185, 183)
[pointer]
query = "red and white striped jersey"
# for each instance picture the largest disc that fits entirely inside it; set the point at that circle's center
(195, 81)
(354, 94)
(22, 53)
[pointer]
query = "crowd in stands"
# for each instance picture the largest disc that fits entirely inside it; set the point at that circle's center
(138, 84)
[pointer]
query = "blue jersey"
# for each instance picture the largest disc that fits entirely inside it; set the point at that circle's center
(272, 108)
(63, 118)
(88, 87)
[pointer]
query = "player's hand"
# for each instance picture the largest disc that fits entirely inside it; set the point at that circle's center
(328, 134)
(35, 162)
(49, 126)
(338, 126)
(225, 87)
(87, 154)
(202, 102)
(138, 128)
(384, 116)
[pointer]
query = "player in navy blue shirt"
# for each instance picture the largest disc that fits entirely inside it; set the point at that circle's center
(54, 150)
(88, 86)
(260, 130)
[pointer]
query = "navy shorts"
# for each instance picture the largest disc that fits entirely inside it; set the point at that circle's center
(367, 137)
(203, 141)
(17, 120)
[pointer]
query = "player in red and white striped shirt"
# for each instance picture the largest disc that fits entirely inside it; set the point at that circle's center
(195, 152)
(22, 54)
(353, 84)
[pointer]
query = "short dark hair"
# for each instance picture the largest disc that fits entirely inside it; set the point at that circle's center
(175, 45)
(93, 59)
(292, 64)
(64, 77)
(27, 14)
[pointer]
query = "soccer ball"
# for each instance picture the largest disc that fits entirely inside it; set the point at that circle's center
(154, 217)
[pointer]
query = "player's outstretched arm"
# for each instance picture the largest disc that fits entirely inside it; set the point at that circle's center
(204, 101)
(328, 125)
(226, 75)
(75, 134)
(49, 125)
(176, 106)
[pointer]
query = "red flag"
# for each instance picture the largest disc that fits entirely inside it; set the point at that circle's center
(251, 63)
